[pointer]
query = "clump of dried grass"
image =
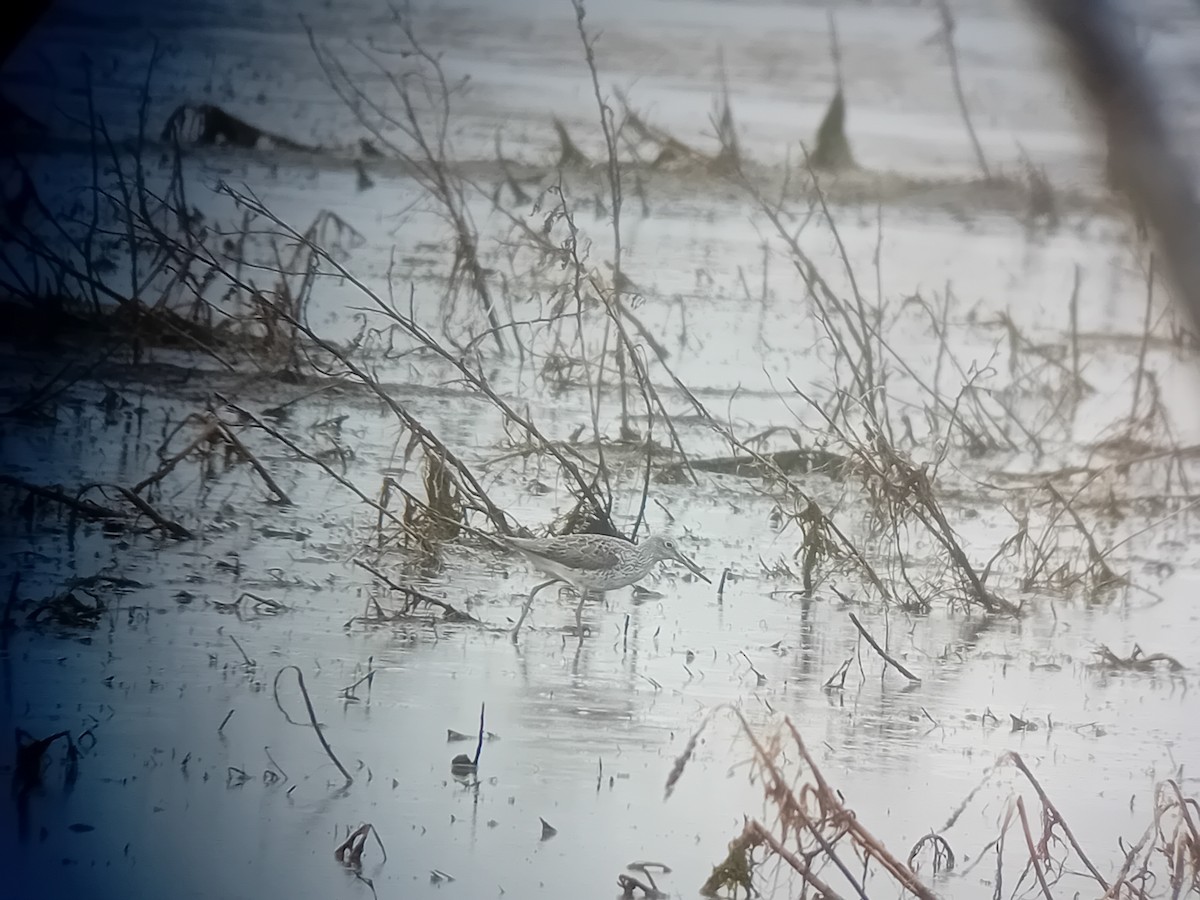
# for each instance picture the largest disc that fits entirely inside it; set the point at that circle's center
(429, 523)
(1168, 852)
(815, 834)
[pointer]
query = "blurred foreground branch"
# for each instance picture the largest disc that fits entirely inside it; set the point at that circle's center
(1097, 49)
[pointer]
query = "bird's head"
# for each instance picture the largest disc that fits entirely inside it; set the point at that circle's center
(664, 548)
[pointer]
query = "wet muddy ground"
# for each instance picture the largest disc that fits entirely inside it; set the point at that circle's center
(187, 775)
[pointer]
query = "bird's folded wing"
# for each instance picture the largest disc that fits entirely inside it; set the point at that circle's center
(569, 551)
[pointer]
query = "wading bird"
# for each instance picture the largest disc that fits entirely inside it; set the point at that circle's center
(594, 562)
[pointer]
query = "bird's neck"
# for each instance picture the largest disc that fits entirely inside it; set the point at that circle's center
(645, 560)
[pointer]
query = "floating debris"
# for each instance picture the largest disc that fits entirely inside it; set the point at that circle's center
(205, 125)
(1137, 661)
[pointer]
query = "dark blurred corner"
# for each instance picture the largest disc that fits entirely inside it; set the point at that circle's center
(17, 18)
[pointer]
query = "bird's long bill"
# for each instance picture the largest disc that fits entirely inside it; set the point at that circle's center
(695, 569)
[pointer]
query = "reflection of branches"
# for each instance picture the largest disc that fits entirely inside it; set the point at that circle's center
(310, 458)
(612, 298)
(900, 489)
(856, 332)
(1045, 560)
(475, 379)
(627, 349)
(423, 145)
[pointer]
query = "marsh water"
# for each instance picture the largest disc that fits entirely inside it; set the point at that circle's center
(192, 782)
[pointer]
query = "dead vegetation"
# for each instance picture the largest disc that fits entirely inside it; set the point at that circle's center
(812, 834)
(1049, 856)
(869, 480)
(137, 266)
(885, 428)
(350, 852)
(80, 604)
(1137, 661)
(206, 125)
(815, 834)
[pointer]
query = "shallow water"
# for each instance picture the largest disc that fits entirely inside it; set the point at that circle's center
(173, 792)
(586, 731)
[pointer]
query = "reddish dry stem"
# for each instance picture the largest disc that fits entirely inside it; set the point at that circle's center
(799, 865)
(1034, 856)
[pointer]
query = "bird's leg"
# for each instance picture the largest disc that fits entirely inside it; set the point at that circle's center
(583, 595)
(529, 603)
